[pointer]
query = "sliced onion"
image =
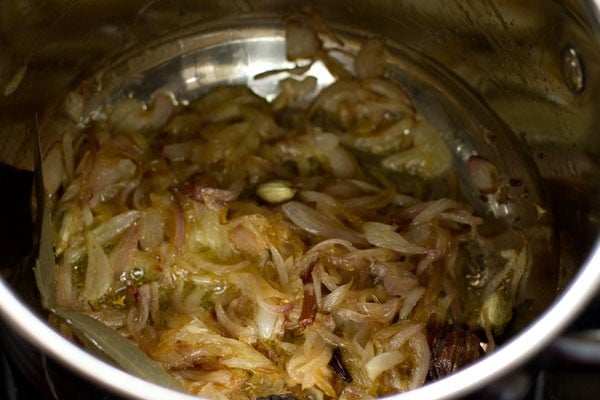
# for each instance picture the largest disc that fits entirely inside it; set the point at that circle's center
(317, 286)
(326, 245)
(400, 338)
(462, 217)
(335, 298)
(410, 300)
(317, 223)
(215, 198)
(53, 169)
(64, 285)
(70, 226)
(226, 380)
(385, 236)
(74, 106)
(194, 342)
(138, 315)
(115, 226)
(104, 234)
(376, 201)
(209, 391)
(245, 238)
(280, 265)
(98, 275)
(301, 41)
(311, 196)
(292, 90)
(422, 358)
(331, 282)
(382, 362)
(269, 325)
(179, 234)
(396, 281)
(131, 115)
(256, 287)
(342, 163)
(151, 229)
(380, 312)
(345, 314)
(121, 257)
(155, 302)
(234, 326)
(68, 156)
(160, 110)
(394, 94)
(201, 263)
(396, 137)
(370, 59)
(433, 209)
(309, 365)
(520, 268)
(344, 189)
(108, 177)
(178, 151)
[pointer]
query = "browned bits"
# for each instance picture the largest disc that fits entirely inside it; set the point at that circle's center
(452, 349)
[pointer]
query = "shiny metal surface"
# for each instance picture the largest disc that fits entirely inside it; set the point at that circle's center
(239, 51)
(510, 53)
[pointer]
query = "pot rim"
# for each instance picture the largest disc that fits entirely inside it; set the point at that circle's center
(509, 356)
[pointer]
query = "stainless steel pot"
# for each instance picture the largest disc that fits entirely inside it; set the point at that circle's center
(535, 64)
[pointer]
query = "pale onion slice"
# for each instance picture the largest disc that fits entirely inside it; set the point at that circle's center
(121, 256)
(54, 169)
(98, 275)
(151, 229)
(233, 326)
(320, 224)
(400, 338)
(383, 235)
(112, 228)
(382, 362)
(370, 59)
(103, 234)
(336, 297)
(302, 41)
(410, 300)
(433, 209)
(422, 358)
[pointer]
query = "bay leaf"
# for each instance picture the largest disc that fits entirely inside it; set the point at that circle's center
(123, 352)
(45, 267)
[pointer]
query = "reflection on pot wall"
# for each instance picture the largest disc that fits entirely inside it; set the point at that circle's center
(534, 63)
